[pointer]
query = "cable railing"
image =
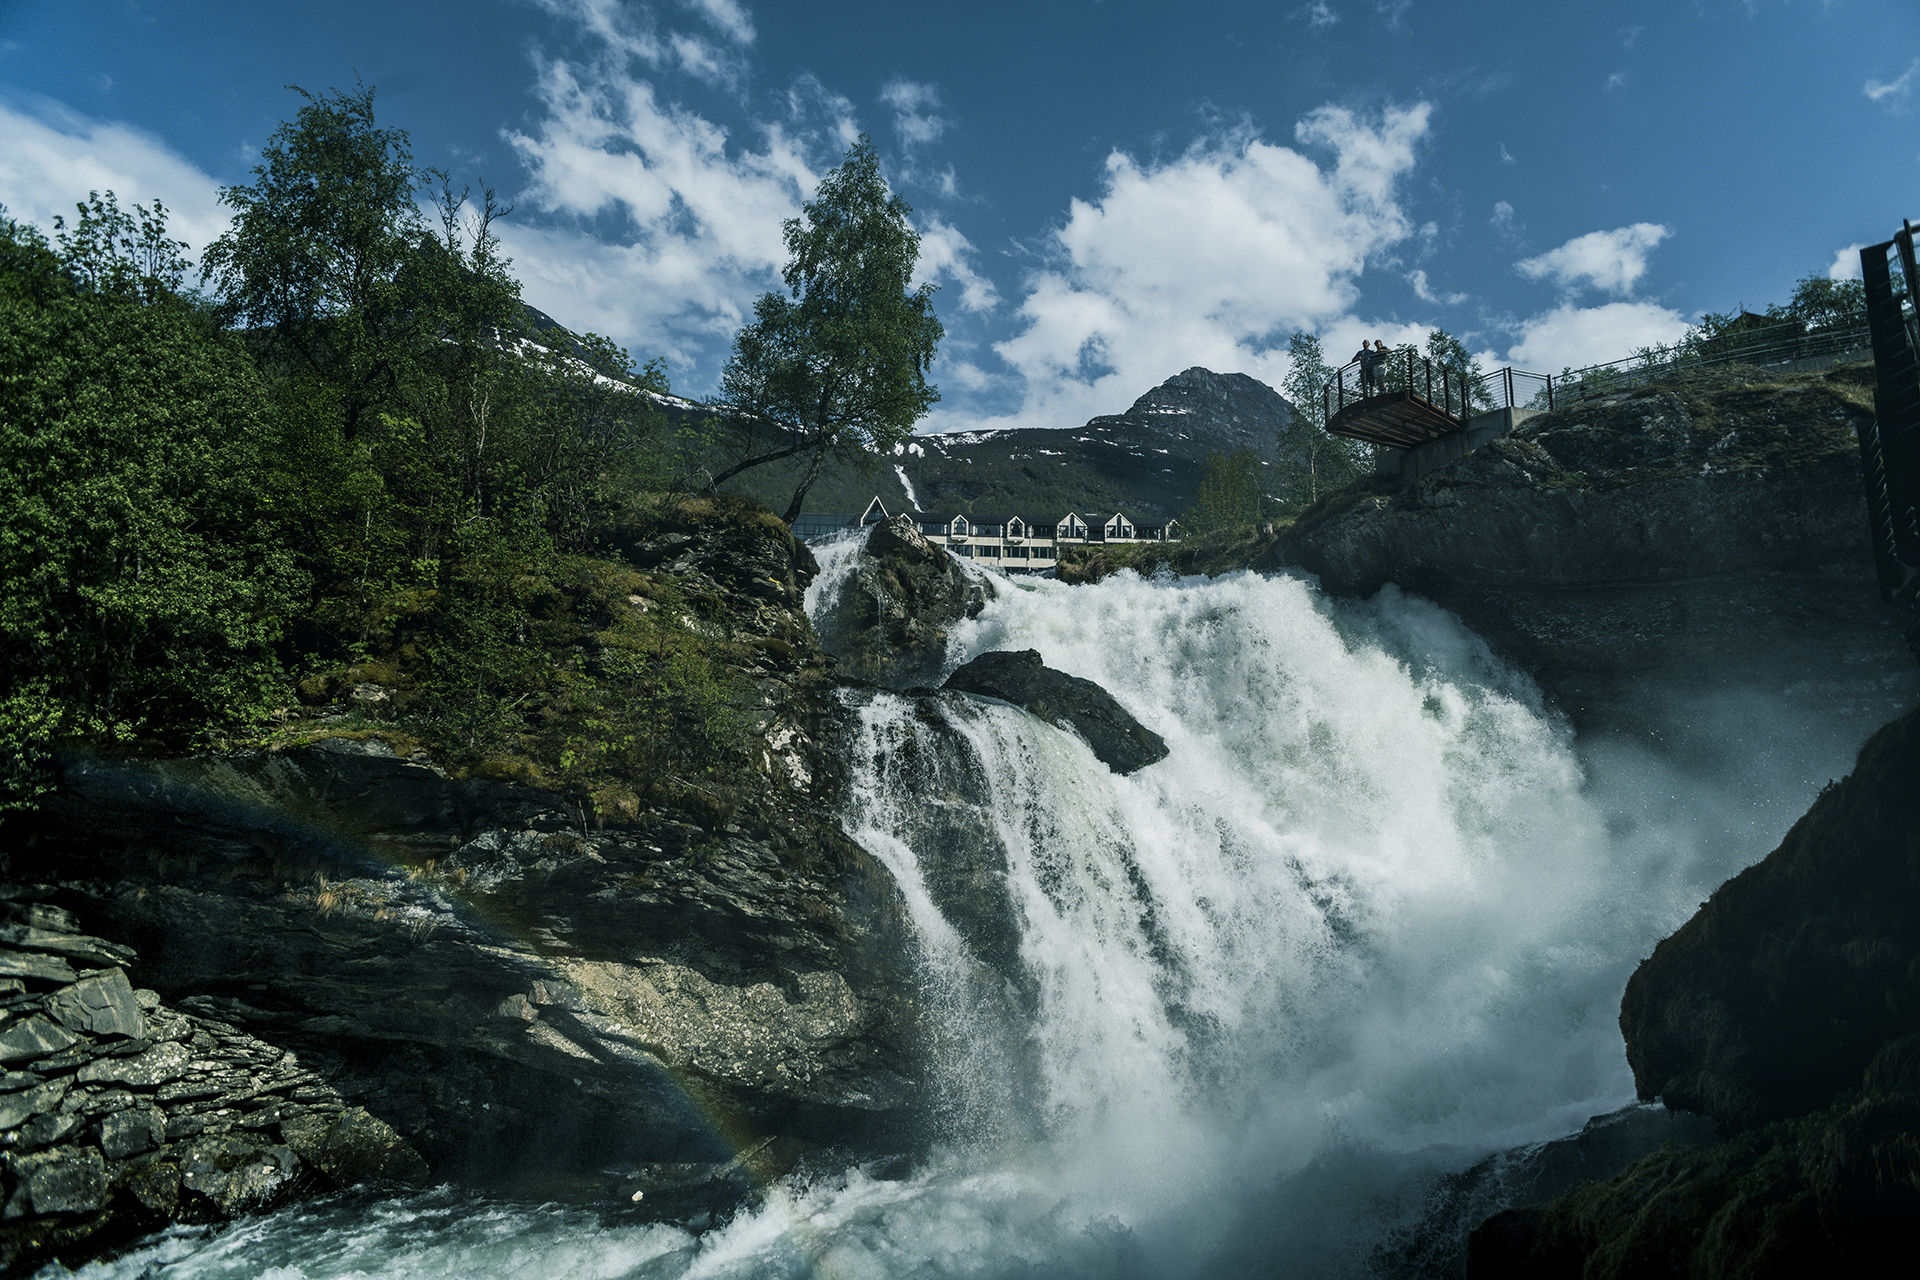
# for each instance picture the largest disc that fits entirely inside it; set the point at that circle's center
(1456, 393)
(1782, 343)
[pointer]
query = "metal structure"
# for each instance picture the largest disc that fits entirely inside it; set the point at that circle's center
(1890, 441)
(1421, 400)
(1784, 343)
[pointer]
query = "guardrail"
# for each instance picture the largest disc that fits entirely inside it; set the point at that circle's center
(1782, 343)
(1455, 392)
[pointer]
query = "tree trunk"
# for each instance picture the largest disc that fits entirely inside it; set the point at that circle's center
(813, 473)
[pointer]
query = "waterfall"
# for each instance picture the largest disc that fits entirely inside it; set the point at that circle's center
(1369, 920)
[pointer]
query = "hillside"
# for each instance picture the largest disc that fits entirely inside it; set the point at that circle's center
(1146, 461)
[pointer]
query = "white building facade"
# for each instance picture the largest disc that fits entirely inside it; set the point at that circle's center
(1011, 543)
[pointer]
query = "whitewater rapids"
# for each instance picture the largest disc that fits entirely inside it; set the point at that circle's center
(1369, 920)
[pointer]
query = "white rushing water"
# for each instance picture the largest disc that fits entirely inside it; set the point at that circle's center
(1369, 919)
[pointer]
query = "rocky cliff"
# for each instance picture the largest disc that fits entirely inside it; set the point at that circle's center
(519, 991)
(1787, 1009)
(1640, 553)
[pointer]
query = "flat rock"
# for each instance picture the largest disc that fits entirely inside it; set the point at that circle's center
(15, 1108)
(33, 964)
(101, 1005)
(128, 1133)
(1121, 742)
(156, 1066)
(236, 1172)
(63, 1180)
(34, 1038)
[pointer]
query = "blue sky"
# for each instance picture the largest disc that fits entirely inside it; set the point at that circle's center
(1108, 191)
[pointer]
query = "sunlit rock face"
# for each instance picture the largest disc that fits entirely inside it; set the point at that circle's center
(522, 996)
(1700, 536)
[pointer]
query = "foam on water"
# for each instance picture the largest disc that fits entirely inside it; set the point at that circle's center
(1368, 902)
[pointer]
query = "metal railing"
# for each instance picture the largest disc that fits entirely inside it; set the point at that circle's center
(1456, 392)
(1782, 343)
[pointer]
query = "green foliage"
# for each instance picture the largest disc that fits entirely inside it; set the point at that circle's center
(840, 364)
(330, 260)
(144, 578)
(375, 479)
(1312, 463)
(1449, 353)
(1231, 494)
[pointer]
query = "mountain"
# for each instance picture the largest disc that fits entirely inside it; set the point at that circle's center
(1147, 461)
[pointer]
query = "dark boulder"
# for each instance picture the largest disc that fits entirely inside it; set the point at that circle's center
(890, 623)
(1788, 982)
(1121, 742)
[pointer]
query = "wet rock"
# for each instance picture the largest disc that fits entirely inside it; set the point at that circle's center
(155, 1067)
(890, 622)
(64, 1180)
(15, 1108)
(1788, 982)
(1121, 742)
(43, 1131)
(102, 1005)
(27, 964)
(236, 1172)
(128, 1133)
(353, 1148)
(33, 1038)
(156, 1185)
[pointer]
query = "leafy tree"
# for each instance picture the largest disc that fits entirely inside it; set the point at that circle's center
(143, 579)
(841, 363)
(1231, 494)
(1312, 461)
(331, 261)
(1449, 353)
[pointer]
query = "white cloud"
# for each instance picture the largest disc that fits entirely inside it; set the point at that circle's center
(1628, 35)
(730, 18)
(51, 157)
(697, 216)
(913, 104)
(1211, 258)
(1617, 80)
(1846, 263)
(1506, 156)
(1610, 260)
(1393, 12)
(1318, 16)
(1579, 336)
(630, 33)
(1502, 214)
(1424, 291)
(1896, 90)
(944, 258)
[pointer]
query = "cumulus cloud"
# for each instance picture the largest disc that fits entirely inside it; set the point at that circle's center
(1846, 263)
(914, 106)
(654, 224)
(1893, 91)
(1211, 258)
(51, 157)
(1571, 336)
(946, 258)
(1610, 260)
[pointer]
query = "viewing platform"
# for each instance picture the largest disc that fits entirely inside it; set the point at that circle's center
(1423, 415)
